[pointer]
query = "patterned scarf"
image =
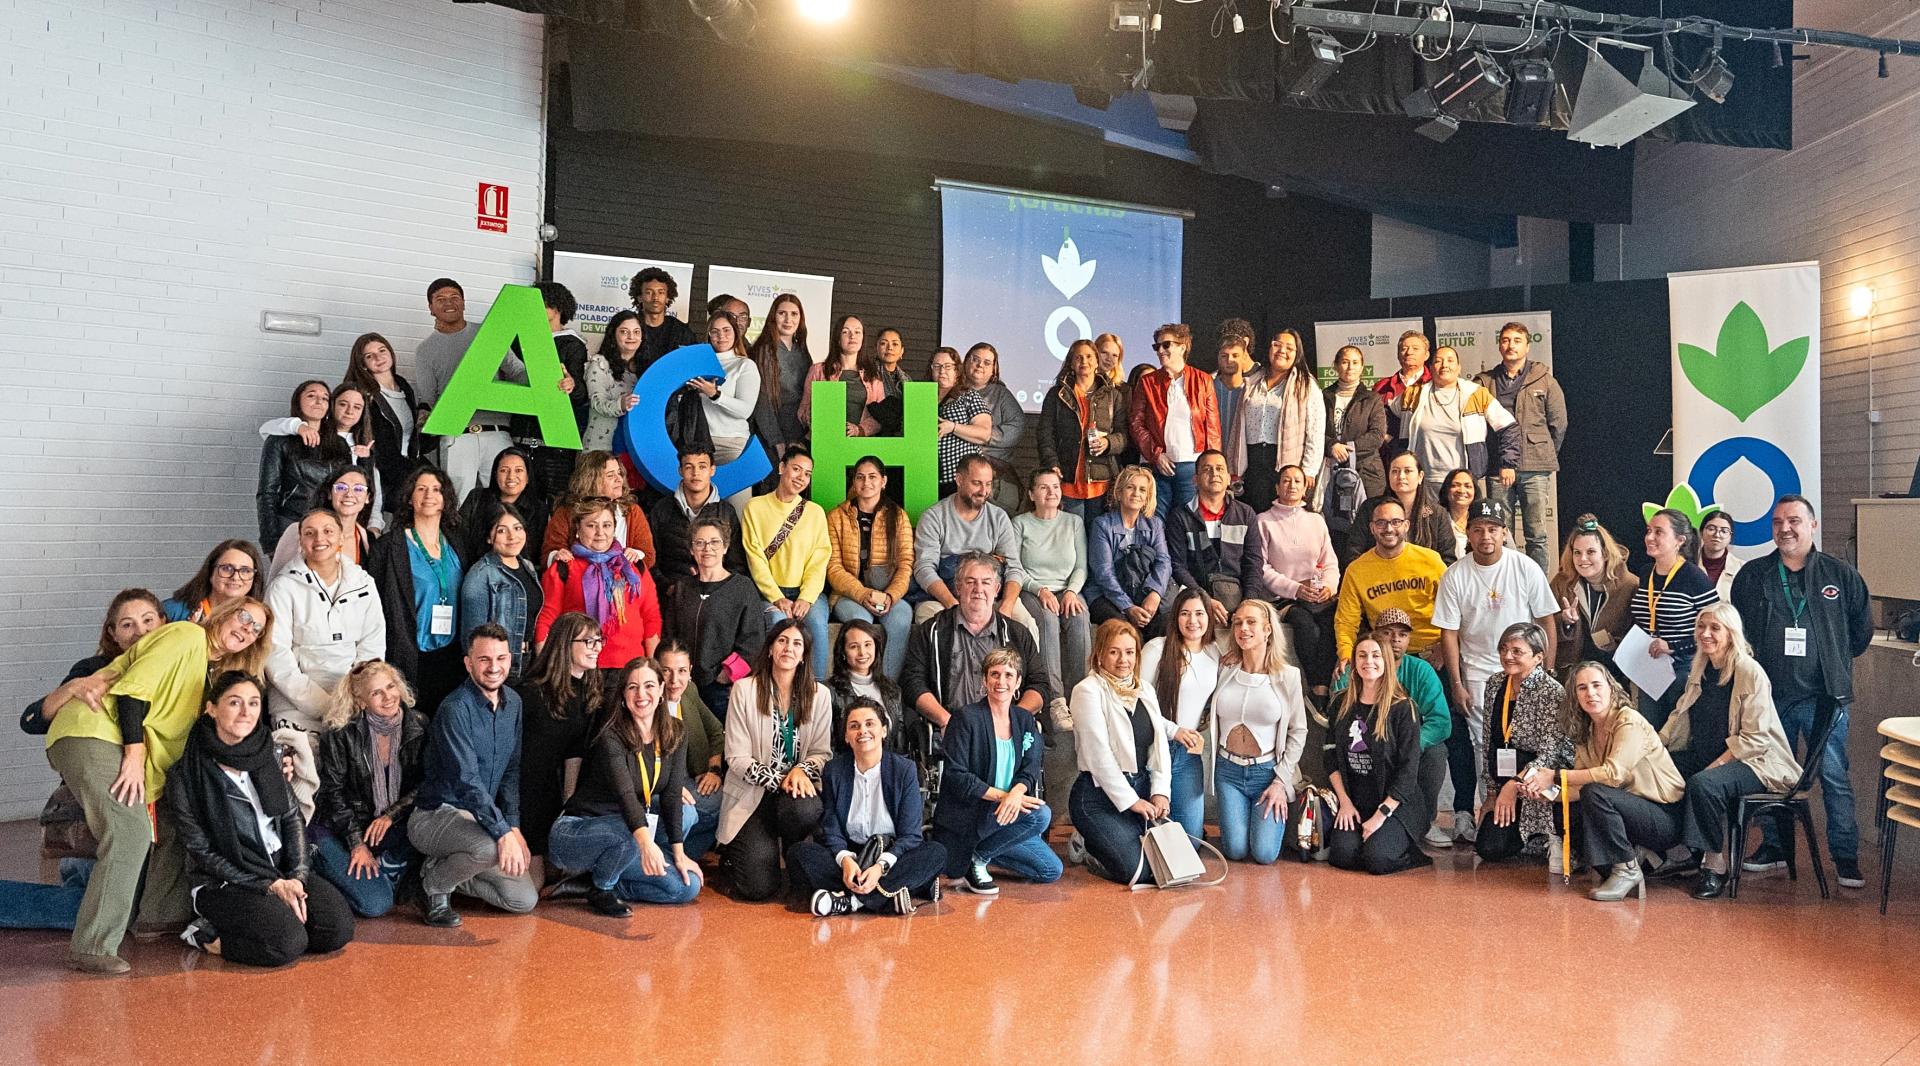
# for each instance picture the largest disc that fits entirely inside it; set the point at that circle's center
(601, 585)
(385, 758)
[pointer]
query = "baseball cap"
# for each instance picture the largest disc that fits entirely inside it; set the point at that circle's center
(1487, 511)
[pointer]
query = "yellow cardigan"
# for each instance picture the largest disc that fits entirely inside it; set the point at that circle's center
(843, 566)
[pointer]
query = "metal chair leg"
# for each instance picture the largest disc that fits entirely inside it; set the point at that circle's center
(1805, 811)
(1783, 823)
(1736, 845)
(1888, 834)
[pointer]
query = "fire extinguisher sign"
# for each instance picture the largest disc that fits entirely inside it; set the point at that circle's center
(492, 215)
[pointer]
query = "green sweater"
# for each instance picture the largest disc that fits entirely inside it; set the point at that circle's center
(1422, 685)
(706, 737)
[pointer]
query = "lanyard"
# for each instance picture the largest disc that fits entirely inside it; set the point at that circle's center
(1566, 830)
(1506, 714)
(648, 777)
(1799, 608)
(438, 569)
(1653, 601)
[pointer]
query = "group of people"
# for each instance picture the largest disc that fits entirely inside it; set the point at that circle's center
(511, 674)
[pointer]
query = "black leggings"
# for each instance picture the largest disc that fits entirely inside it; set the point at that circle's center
(257, 928)
(752, 857)
(1310, 631)
(1389, 850)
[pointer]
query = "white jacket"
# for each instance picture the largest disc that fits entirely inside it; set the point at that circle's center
(317, 637)
(1103, 742)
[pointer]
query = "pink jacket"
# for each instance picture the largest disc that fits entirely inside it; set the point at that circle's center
(1295, 546)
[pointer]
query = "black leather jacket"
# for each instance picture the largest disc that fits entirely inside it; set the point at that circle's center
(204, 819)
(290, 474)
(344, 803)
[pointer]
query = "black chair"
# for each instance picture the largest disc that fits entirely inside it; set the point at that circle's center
(1788, 809)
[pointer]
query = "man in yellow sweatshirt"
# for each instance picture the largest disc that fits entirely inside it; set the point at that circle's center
(1393, 573)
(785, 537)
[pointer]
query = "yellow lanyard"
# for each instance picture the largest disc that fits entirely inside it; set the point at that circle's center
(1506, 714)
(1566, 831)
(647, 777)
(1653, 601)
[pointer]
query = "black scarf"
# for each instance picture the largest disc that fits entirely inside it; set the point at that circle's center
(254, 755)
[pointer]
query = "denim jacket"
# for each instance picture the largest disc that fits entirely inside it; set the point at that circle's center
(489, 593)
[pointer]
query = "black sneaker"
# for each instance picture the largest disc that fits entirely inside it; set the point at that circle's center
(438, 911)
(1765, 857)
(603, 901)
(827, 903)
(1849, 870)
(979, 881)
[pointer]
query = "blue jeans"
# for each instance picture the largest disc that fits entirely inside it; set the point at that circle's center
(1188, 804)
(1836, 784)
(1172, 490)
(1238, 789)
(1088, 510)
(1020, 848)
(30, 905)
(370, 897)
(706, 825)
(898, 624)
(1112, 836)
(816, 623)
(604, 847)
(1530, 502)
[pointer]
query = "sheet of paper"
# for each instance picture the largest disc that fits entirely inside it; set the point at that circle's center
(1654, 676)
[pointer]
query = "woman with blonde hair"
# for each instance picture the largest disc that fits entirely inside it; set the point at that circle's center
(1595, 592)
(1622, 778)
(1726, 739)
(1373, 760)
(1125, 772)
(1129, 566)
(113, 743)
(370, 767)
(1259, 730)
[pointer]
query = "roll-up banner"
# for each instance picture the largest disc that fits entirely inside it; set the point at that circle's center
(600, 283)
(1476, 338)
(1746, 391)
(757, 288)
(1377, 338)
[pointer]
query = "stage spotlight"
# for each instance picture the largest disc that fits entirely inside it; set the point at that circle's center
(824, 10)
(1475, 79)
(1530, 97)
(1323, 58)
(1715, 79)
(1439, 129)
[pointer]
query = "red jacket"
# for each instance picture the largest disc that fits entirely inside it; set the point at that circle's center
(624, 642)
(1148, 416)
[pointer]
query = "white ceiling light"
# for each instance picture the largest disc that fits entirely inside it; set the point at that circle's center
(824, 10)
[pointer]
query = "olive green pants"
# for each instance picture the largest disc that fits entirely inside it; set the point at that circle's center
(127, 842)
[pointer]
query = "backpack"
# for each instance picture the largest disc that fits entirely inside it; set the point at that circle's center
(1345, 493)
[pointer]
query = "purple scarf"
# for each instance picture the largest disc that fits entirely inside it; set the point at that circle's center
(600, 585)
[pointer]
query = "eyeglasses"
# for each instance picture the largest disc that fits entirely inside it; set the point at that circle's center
(592, 642)
(350, 488)
(1389, 523)
(1161, 346)
(230, 570)
(246, 619)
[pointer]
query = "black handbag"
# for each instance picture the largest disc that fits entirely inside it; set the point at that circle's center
(877, 845)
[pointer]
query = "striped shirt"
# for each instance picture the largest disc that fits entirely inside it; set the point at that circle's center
(1670, 611)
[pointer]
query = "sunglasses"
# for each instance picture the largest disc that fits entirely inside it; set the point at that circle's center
(247, 620)
(1161, 346)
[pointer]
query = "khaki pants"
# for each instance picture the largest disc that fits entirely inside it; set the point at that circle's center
(127, 841)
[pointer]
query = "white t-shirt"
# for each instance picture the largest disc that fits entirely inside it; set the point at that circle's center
(396, 402)
(1197, 681)
(1480, 602)
(1179, 429)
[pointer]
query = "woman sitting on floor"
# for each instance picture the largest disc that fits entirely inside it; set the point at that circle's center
(370, 766)
(257, 900)
(1125, 771)
(871, 855)
(990, 811)
(776, 745)
(629, 803)
(1523, 737)
(1373, 758)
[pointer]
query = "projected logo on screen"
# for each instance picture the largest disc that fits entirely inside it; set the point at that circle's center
(1031, 274)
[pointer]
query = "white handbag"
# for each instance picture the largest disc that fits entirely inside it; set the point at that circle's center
(1168, 853)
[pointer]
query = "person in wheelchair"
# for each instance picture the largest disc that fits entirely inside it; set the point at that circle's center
(991, 812)
(947, 652)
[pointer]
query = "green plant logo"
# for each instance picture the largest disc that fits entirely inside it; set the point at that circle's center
(1742, 374)
(1684, 500)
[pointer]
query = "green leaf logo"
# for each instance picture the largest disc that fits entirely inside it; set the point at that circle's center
(1684, 500)
(1742, 374)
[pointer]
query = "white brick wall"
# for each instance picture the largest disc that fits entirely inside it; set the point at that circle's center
(169, 174)
(1848, 194)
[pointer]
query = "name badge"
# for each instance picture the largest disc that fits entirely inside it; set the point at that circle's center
(441, 622)
(1506, 762)
(1797, 641)
(653, 824)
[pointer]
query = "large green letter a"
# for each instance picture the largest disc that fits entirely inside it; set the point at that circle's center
(519, 314)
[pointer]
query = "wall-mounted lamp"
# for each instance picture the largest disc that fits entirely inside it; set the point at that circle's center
(1860, 301)
(289, 322)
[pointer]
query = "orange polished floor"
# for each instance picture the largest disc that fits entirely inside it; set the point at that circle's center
(1284, 964)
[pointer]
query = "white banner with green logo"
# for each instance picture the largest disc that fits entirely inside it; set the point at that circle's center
(1476, 338)
(1746, 392)
(1377, 338)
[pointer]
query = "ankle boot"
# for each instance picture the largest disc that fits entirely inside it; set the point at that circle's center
(1625, 880)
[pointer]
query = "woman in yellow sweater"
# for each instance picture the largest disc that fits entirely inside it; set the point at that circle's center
(151, 694)
(785, 538)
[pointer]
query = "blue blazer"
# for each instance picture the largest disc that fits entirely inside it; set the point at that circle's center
(968, 744)
(899, 788)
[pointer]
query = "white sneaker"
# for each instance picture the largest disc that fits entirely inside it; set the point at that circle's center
(1060, 715)
(1438, 838)
(1463, 827)
(1553, 855)
(1076, 849)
